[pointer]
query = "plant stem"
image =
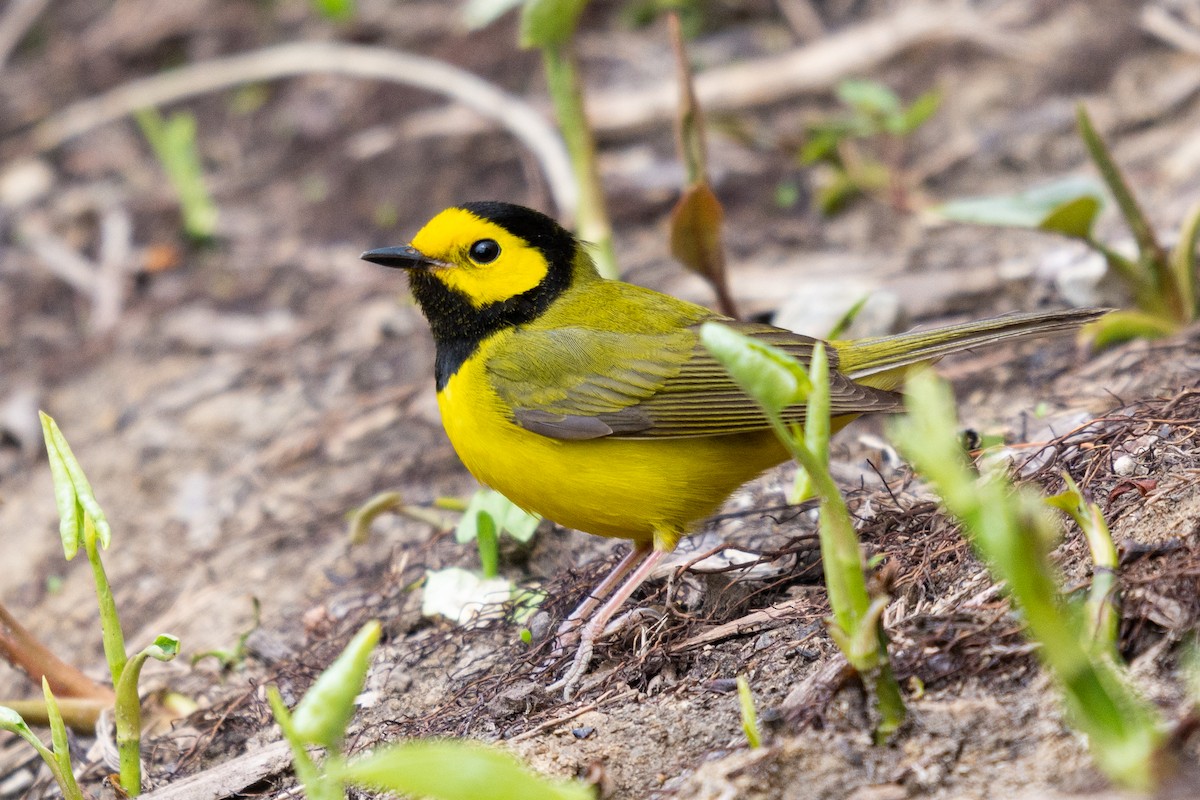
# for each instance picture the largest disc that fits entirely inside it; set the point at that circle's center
(110, 622)
(316, 785)
(1162, 282)
(592, 223)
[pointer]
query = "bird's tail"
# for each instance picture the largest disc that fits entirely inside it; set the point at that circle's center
(882, 362)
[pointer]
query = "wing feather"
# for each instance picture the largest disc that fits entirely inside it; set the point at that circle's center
(577, 383)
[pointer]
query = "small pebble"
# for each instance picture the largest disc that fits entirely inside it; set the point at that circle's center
(1125, 465)
(583, 733)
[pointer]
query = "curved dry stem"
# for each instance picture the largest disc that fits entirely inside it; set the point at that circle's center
(303, 58)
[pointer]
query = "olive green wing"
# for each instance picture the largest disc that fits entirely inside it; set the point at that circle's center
(576, 383)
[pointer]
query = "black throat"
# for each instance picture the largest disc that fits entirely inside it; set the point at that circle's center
(459, 327)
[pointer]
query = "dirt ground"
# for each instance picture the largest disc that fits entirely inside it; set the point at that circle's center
(232, 402)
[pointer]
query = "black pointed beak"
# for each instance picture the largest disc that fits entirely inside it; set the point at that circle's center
(404, 256)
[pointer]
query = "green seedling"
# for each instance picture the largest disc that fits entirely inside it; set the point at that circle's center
(360, 519)
(234, 657)
(336, 10)
(129, 709)
(449, 769)
(863, 151)
(1100, 609)
(846, 320)
(1161, 282)
(549, 26)
(321, 717)
(507, 517)
(174, 144)
(749, 713)
(58, 756)
(1012, 531)
(82, 524)
(697, 217)
(455, 769)
(460, 595)
(777, 382)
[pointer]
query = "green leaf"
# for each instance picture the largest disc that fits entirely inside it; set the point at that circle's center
(335, 9)
(325, 710)
(489, 549)
(72, 492)
(58, 738)
(481, 13)
(1148, 248)
(1008, 526)
(771, 377)
(749, 713)
(525, 603)
(869, 97)
(507, 516)
(11, 721)
(1073, 218)
(816, 417)
(550, 23)
(1185, 263)
(834, 193)
(846, 320)
(1124, 326)
(916, 114)
(165, 647)
(174, 143)
(456, 770)
(1067, 206)
(821, 145)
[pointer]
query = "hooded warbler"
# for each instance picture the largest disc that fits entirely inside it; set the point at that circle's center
(593, 403)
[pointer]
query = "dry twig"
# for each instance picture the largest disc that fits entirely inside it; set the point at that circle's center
(305, 58)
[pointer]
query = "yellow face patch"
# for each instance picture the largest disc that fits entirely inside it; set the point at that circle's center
(450, 238)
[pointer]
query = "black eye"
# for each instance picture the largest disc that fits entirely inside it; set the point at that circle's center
(485, 251)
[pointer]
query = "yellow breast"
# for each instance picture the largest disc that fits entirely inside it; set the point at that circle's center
(627, 488)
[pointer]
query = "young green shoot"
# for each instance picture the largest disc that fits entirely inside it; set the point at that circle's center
(452, 770)
(549, 25)
(456, 769)
(779, 383)
(1011, 529)
(464, 596)
(360, 519)
(233, 657)
(507, 518)
(1100, 609)
(58, 756)
(336, 10)
(174, 144)
(82, 524)
(863, 151)
(1160, 282)
(129, 710)
(749, 713)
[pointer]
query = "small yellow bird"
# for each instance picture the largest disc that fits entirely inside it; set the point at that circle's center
(593, 403)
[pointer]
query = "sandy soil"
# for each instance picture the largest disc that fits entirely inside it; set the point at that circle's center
(231, 403)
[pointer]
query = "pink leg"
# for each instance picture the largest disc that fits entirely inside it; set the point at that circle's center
(566, 633)
(595, 626)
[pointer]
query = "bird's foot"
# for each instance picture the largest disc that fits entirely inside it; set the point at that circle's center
(574, 673)
(587, 636)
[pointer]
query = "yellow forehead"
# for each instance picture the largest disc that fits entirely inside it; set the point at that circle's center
(448, 238)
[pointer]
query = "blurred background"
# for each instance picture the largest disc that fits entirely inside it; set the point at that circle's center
(235, 382)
